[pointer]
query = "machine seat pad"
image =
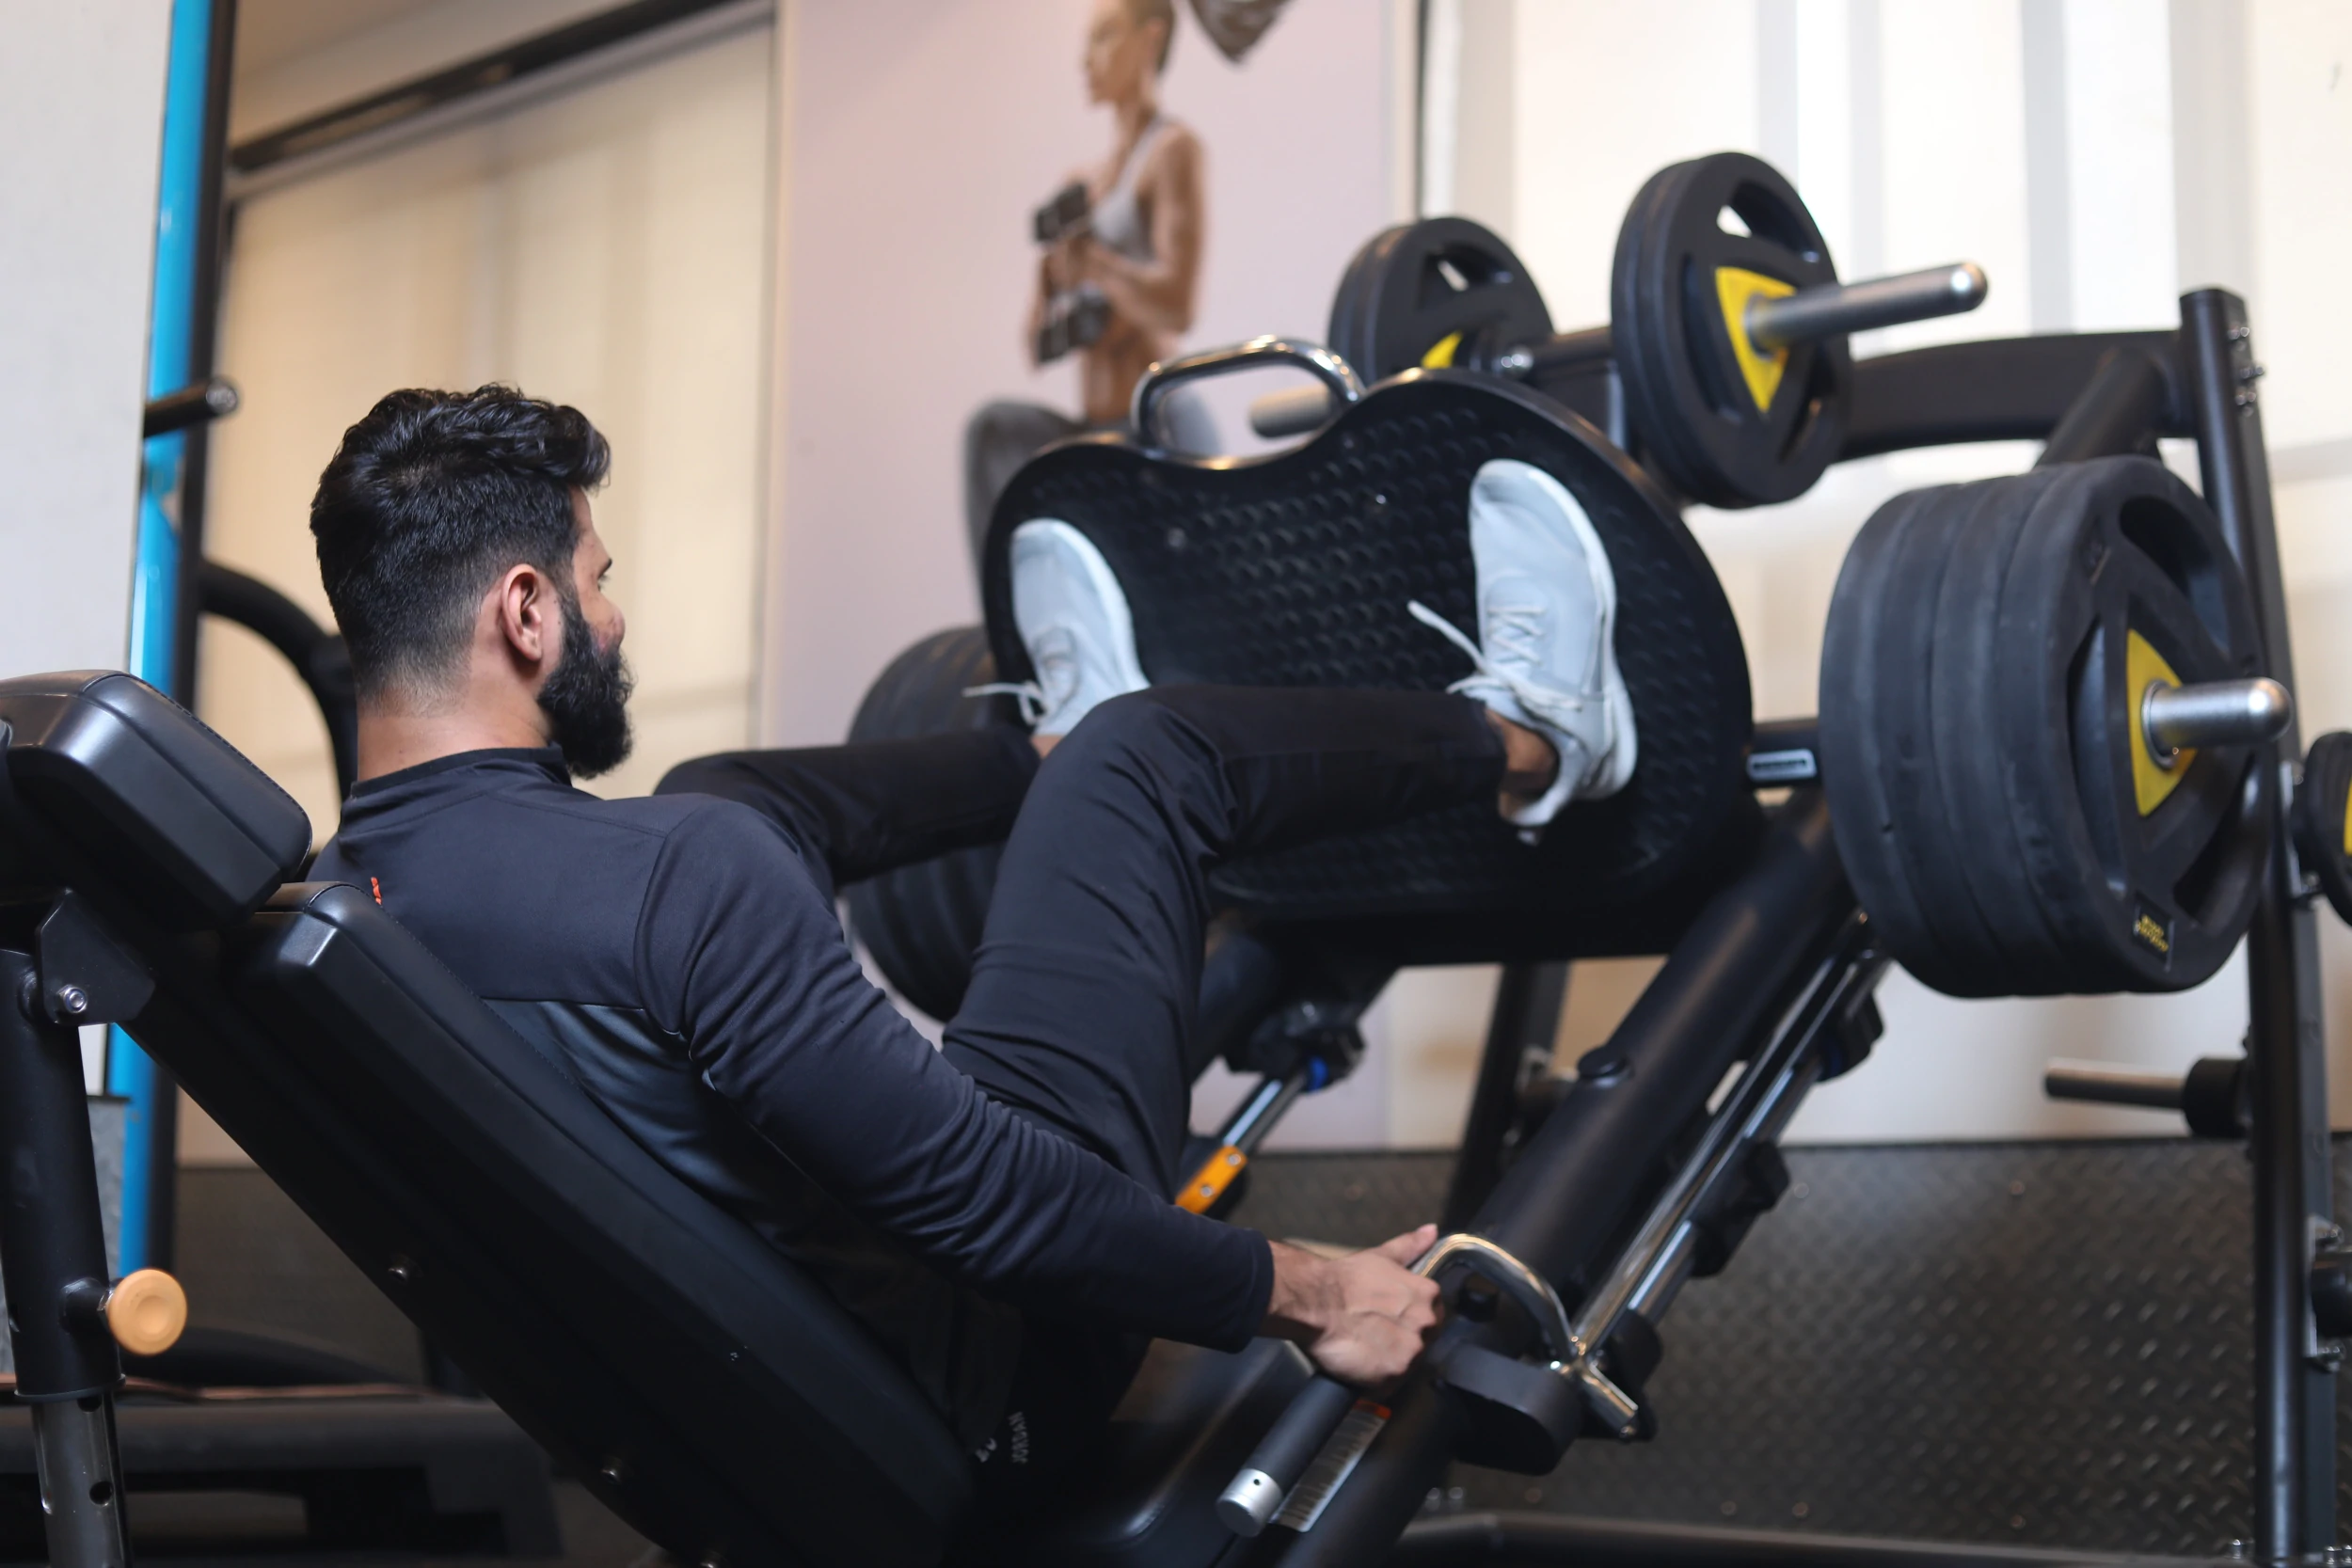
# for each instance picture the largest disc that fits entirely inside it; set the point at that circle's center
(700, 1380)
(1295, 569)
(140, 790)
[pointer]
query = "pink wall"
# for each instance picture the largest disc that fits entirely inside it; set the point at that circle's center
(921, 134)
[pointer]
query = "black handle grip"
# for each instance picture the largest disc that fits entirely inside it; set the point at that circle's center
(1283, 1454)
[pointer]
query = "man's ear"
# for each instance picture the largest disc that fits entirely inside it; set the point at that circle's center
(529, 624)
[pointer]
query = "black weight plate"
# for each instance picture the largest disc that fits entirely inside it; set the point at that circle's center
(1862, 752)
(1414, 287)
(1967, 705)
(1955, 948)
(1295, 569)
(2322, 819)
(1693, 406)
(2144, 895)
(922, 923)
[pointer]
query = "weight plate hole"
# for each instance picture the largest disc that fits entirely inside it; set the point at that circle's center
(1821, 385)
(2148, 525)
(1730, 222)
(1699, 343)
(2194, 893)
(2087, 721)
(1763, 216)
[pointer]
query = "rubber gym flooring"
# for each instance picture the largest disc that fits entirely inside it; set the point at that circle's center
(2023, 1344)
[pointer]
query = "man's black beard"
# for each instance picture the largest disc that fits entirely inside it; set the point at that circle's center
(586, 699)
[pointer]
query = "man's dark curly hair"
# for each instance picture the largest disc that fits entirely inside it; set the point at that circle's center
(427, 501)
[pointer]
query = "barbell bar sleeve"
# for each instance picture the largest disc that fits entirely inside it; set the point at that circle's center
(2215, 713)
(2096, 1083)
(1833, 309)
(1565, 351)
(1291, 411)
(1255, 1493)
(195, 404)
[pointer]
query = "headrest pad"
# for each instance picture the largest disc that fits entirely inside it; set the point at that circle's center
(111, 775)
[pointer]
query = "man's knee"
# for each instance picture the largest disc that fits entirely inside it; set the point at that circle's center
(1150, 723)
(1144, 740)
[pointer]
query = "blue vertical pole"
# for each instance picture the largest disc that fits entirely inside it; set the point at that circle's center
(179, 231)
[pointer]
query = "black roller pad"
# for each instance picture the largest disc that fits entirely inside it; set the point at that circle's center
(1294, 570)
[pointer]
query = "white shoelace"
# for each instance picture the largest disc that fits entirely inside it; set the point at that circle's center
(1515, 629)
(1030, 695)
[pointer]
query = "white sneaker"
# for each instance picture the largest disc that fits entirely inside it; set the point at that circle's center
(1547, 652)
(1075, 622)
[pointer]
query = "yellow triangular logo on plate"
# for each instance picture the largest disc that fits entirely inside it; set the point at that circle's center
(1735, 286)
(1441, 353)
(2143, 667)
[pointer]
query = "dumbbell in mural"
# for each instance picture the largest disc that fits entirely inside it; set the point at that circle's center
(1073, 318)
(1727, 333)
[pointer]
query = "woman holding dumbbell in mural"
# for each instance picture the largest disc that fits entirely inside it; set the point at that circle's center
(1119, 282)
(1138, 247)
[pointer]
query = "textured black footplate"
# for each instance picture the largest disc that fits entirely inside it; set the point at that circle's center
(1294, 570)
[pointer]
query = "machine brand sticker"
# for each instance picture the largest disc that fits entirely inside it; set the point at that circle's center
(1332, 1466)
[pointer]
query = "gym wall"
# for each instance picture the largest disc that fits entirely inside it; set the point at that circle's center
(606, 247)
(80, 131)
(81, 122)
(604, 244)
(2099, 157)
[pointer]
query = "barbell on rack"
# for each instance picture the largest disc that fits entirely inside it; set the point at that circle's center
(1728, 327)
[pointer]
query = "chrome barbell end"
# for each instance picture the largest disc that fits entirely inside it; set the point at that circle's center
(2212, 713)
(1249, 1503)
(1839, 309)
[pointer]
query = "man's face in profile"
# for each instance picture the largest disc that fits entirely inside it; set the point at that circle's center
(586, 696)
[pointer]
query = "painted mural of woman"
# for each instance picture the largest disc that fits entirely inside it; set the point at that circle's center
(1119, 276)
(1138, 248)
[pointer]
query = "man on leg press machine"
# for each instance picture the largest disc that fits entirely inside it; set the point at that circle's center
(997, 1212)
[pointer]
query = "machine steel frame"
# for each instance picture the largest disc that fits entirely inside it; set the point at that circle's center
(1566, 1198)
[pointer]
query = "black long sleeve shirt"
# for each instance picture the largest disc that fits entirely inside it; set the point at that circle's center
(676, 952)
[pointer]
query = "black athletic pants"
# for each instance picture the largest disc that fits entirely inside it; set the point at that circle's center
(1083, 989)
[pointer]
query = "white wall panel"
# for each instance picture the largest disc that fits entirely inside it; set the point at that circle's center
(81, 121)
(2301, 126)
(1954, 158)
(606, 248)
(2118, 131)
(1604, 96)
